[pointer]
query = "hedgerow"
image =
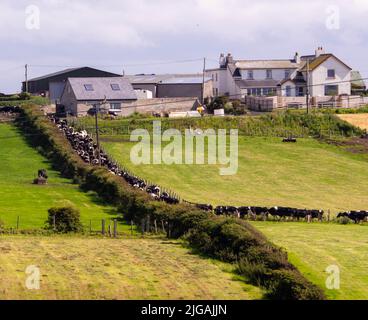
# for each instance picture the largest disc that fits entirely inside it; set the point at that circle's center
(227, 239)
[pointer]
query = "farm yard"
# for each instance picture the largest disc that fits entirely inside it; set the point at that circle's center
(135, 269)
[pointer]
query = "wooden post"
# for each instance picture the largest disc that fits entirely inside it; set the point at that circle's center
(115, 228)
(328, 215)
(155, 223)
(163, 226)
(109, 230)
(18, 222)
(131, 227)
(54, 222)
(90, 226)
(103, 227)
(148, 227)
(143, 225)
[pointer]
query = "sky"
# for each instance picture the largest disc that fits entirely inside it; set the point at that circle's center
(170, 36)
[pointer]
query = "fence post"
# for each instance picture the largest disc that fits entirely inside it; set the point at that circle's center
(109, 230)
(18, 222)
(148, 227)
(155, 223)
(328, 215)
(103, 227)
(54, 222)
(143, 225)
(90, 226)
(131, 227)
(115, 228)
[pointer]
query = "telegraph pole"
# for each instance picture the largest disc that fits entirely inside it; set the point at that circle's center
(307, 87)
(97, 134)
(26, 77)
(203, 80)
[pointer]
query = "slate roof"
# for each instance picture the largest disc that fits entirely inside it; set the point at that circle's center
(266, 64)
(101, 88)
(316, 62)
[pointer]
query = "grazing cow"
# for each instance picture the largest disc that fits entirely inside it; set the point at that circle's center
(356, 216)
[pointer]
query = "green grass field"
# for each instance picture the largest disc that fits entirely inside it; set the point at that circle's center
(314, 247)
(19, 164)
(87, 268)
(308, 174)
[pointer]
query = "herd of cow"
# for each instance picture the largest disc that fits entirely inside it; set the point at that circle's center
(87, 149)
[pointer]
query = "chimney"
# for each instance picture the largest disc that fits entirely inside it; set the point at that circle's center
(297, 57)
(229, 59)
(319, 51)
(222, 61)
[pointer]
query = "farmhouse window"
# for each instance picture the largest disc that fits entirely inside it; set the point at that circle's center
(115, 106)
(288, 91)
(331, 73)
(331, 90)
(269, 74)
(250, 74)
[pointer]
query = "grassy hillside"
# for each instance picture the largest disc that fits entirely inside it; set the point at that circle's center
(116, 269)
(308, 174)
(314, 247)
(19, 164)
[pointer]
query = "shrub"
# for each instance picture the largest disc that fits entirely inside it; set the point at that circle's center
(64, 220)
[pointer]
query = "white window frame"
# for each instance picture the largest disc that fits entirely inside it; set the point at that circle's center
(113, 104)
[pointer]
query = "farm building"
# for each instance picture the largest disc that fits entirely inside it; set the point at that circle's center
(326, 74)
(173, 85)
(82, 94)
(52, 85)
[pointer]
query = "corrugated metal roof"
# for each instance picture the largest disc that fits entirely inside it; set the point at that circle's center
(101, 88)
(196, 80)
(58, 73)
(156, 78)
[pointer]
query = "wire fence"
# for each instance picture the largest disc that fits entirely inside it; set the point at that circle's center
(111, 228)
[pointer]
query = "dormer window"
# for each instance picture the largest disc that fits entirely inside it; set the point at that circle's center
(115, 87)
(268, 74)
(331, 73)
(88, 87)
(250, 75)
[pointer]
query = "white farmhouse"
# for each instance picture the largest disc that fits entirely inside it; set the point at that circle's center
(328, 76)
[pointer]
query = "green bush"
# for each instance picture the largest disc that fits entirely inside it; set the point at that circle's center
(64, 220)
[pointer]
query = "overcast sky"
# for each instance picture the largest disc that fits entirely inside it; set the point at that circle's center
(146, 36)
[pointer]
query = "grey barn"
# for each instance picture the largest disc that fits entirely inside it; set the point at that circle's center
(82, 94)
